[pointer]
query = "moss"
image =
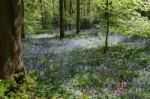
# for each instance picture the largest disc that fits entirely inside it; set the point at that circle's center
(17, 88)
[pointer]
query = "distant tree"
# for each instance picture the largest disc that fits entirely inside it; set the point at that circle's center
(78, 17)
(107, 25)
(89, 7)
(61, 11)
(10, 39)
(70, 12)
(42, 14)
(65, 17)
(53, 4)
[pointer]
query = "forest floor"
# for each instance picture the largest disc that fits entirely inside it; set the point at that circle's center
(76, 68)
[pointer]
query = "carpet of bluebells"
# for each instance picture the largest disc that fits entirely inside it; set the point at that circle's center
(76, 68)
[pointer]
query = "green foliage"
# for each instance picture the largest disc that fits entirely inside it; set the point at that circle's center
(124, 16)
(33, 15)
(12, 90)
(86, 22)
(6, 91)
(4, 85)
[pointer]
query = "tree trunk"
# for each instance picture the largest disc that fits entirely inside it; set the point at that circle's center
(65, 9)
(61, 10)
(107, 26)
(89, 7)
(10, 39)
(45, 18)
(70, 12)
(42, 14)
(78, 17)
(53, 1)
(22, 21)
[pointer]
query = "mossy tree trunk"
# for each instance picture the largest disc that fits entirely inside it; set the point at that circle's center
(10, 39)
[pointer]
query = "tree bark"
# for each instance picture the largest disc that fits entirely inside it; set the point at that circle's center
(65, 9)
(42, 14)
(78, 17)
(70, 12)
(89, 7)
(61, 10)
(22, 21)
(10, 39)
(107, 26)
(53, 2)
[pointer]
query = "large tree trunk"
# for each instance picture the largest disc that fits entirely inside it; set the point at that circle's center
(10, 39)
(22, 22)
